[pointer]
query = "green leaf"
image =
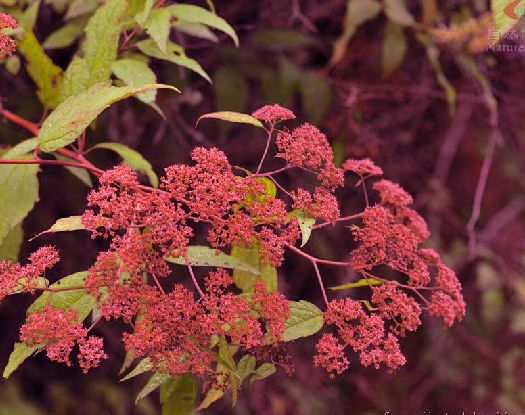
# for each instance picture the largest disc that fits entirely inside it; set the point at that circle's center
(178, 395)
(202, 256)
(231, 116)
(75, 79)
(506, 13)
(75, 114)
(363, 282)
(245, 280)
(397, 12)
(136, 73)
(133, 159)
(195, 14)
(76, 299)
(212, 395)
(143, 367)
(306, 224)
(71, 223)
(18, 187)
(10, 246)
(263, 371)
(66, 35)
(46, 75)
(305, 320)
(280, 40)
(19, 354)
(153, 383)
(102, 34)
(357, 13)
(158, 27)
(246, 366)
(394, 48)
(80, 8)
(174, 53)
(195, 29)
(141, 17)
(30, 15)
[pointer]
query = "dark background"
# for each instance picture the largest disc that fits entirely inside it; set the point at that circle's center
(402, 121)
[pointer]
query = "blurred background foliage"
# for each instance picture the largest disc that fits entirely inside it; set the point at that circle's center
(409, 84)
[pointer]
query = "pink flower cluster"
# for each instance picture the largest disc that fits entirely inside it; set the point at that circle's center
(13, 276)
(176, 331)
(273, 114)
(58, 331)
(7, 45)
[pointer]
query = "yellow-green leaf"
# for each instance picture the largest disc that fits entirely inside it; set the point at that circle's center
(203, 256)
(174, 53)
(136, 73)
(102, 34)
(178, 395)
(394, 48)
(133, 159)
(305, 320)
(232, 116)
(46, 75)
(153, 383)
(18, 187)
(75, 114)
(158, 27)
(143, 366)
(306, 224)
(397, 12)
(10, 246)
(67, 34)
(245, 280)
(75, 79)
(69, 224)
(363, 282)
(20, 353)
(196, 14)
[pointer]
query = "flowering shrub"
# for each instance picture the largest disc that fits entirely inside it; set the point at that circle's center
(232, 323)
(235, 324)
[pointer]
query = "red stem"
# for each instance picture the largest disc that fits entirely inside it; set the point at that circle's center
(28, 125)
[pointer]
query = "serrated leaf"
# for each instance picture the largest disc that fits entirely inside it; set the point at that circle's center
(305, 319)
(363, 282)
(19, 354)
(18, 187)
(75, 78)
(174, 53)
(506, 13)
(245, 280)
(195, 29)
(75, 299)
(46, 75)
(232, 116)
(75, 114)
(158, 27)
(178, 395)
(66, 35)
(102, 34)
(202, 256)
(10, 246)
(136, 73)
(397, 11)
(133, 159)
(306, 224)
(143, 366)
(394, 48)
(153, 383)
(263, 371)
(69, 224)
(196, 14)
